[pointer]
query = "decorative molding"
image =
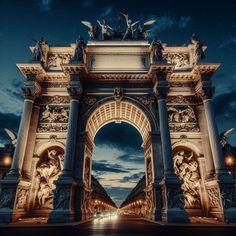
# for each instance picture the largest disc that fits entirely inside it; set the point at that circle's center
(54, 100)
(182, 100)
(52, 127)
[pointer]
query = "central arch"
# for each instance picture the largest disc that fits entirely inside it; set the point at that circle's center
(135, 115)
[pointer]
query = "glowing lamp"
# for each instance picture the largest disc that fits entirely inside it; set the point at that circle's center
(7, 160)
(229, 160)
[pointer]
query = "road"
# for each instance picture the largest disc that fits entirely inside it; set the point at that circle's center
(122, 226)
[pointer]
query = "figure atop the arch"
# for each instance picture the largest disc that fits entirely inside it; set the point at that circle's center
(143, 29)
(105, 31)
(129, 33)
(198, 47)
(40, 50)
(93, 32)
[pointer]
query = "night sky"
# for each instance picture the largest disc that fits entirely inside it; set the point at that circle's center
(59, 22)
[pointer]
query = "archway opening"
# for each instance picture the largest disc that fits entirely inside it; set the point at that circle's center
(118, 159)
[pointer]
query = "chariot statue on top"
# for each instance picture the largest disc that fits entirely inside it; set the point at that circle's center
(105, 29)
(143, 29)
(93, 32)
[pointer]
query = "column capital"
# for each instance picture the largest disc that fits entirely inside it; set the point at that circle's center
(31, 90)
(204, 90)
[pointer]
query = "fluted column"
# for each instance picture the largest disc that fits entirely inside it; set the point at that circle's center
(71, 137)
(22, 138)
(172, 194)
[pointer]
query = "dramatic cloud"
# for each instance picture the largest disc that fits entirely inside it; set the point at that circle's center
(135, 157)
(88, 3)
(106, 167)
(184, 21)
(133, 178)
(230, 41)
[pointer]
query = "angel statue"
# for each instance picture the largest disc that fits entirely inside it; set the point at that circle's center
(157, 50)
(80, 45)
(105, 27)
(93, 30)
(12, 135)
(40, 50)
(224, 135)
(129, 34)
(143, 31)
(198, 46)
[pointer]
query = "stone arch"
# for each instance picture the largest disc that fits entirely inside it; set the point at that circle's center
(118, 111)
(108, 111)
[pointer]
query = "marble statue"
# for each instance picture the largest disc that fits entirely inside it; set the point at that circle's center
(93, 30)
(105, 31)
(157, 50)
(224, 135)
(117, 32)
(129, 33)
(12, 135)
(198, 48)
(79, 48)
(186, 168)
(48, 168)
(143, 30)
(40, 50)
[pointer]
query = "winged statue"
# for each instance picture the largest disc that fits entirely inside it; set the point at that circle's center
(143, 30)
(93, 30)
(12, 135)
(224, 135)
(105, 29)
(129, 33)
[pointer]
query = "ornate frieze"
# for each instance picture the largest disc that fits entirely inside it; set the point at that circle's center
(180, 60)
(182, 118)
(55, 100)
(54, 114)
(187, 169)
(54, 85)
(55, 60)
(53, 127)
(22, 195)
(180, 99)
(214, 197)
(146, 100)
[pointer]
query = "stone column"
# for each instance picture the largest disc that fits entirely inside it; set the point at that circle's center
(71, 138)
(66, 189)
(27, 162)
(22, 138)
(172, 195)
(210, 169)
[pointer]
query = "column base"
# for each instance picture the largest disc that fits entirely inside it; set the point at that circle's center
(173, 205)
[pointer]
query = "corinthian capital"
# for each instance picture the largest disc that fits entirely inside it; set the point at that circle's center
(204, 90)
(161, 89)
(31, 90)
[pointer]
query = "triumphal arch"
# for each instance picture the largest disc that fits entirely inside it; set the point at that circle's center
(163, 91)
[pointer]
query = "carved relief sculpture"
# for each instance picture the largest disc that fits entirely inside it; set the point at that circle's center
(48, 169)
(186, 168)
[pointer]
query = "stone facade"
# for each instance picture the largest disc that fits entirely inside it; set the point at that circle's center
(66, 102)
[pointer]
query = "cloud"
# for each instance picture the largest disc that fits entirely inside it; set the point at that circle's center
(184, 21)
(45, 5)
(134, 178)
(107, 167)
(88, 3)
(106, 11)
(132, 157)
(230, 41)
(162, 23)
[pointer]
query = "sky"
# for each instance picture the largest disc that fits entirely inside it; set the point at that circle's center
(59, 22)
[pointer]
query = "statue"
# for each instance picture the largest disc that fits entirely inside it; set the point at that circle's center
(117, 33)
(93, 30)
(143, 31)
(40, 50)
(80, 46)
(48, 169)
(118, 94)
(198, 47)
(105, 27)
(224, 135)
(129, 34)
(12, 135)
(157, 50)
(186, 168)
